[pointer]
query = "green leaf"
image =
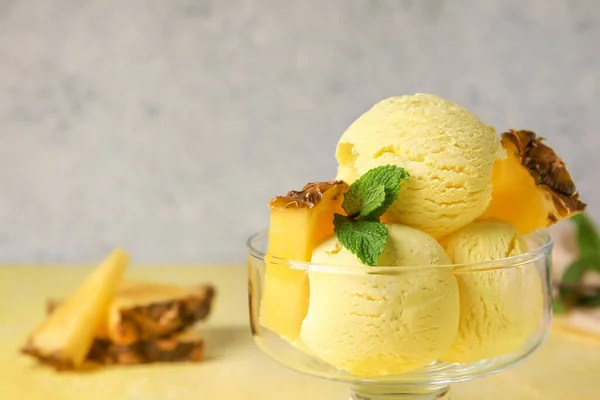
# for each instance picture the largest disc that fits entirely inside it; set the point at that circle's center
(362, 200)
(587, 239)
(365, 239)
(391, 177)
(558, 307)
(365, 202)
(572, 278)
(388, 176)
(373, 199)
(352, 203)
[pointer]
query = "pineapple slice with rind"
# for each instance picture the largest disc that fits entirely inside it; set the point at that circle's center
(299, 221)
(66, 336)
(313, 206)
(143, 311)
(532, 187)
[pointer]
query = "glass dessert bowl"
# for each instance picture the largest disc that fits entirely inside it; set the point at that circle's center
(401, 332)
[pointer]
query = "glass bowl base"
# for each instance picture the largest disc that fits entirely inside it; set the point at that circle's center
(377, 392)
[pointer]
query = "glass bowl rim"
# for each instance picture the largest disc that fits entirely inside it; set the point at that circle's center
(543, 250)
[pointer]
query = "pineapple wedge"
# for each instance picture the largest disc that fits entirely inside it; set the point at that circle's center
(532, 187)
(299, 221)
(142, 311)
(65, 337)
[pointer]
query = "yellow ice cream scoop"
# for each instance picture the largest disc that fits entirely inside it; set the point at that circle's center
(375, 325)
(448, 152)
(501, 308)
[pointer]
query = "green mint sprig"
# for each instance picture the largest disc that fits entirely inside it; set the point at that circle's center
(587, 238)
(360, 230)
(572, 291)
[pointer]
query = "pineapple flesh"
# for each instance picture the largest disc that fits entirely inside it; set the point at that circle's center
(532, 187)
(298, 222)
(66, 336)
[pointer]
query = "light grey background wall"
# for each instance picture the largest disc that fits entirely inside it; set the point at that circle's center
(166, 126)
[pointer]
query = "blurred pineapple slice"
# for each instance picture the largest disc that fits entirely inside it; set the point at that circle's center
(532, 187)
(66, 336)
(299, 221)
(142, 311)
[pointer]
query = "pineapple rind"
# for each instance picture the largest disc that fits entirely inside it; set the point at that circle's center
(549, 172)
(310, 195)
(532, 187)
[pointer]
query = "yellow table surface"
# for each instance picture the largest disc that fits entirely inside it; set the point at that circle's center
(566, 368)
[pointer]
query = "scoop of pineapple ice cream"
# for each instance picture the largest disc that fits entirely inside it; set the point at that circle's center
(448, 152)
(499, 309)
(375, 325)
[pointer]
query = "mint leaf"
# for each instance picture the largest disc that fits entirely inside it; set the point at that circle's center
(558, 307)
(372, 200)
(364, 203)
(390, 176)
(572, 290)
(365, 239)
(571, 280)
(587, 239)
(353, 200)
(363, 200)
(357, 198)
